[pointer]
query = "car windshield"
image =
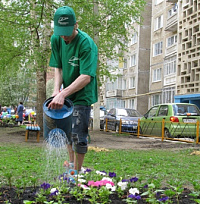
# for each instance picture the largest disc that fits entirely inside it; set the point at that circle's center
(183, 109)
(128, 112)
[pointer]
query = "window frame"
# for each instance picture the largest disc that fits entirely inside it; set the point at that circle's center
(157, 75)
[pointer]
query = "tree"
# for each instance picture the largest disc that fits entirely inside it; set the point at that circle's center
(26, 29)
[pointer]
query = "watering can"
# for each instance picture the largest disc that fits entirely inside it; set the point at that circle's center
(57, 122)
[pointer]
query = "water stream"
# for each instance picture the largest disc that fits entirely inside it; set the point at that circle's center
(56, 153)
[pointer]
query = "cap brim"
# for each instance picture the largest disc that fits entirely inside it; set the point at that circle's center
(65, 30)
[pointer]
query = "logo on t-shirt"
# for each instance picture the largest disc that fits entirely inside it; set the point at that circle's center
(74, 61)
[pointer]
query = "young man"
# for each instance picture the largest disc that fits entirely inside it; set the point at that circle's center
(74, 56)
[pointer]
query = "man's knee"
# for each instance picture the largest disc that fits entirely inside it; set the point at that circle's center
(80, 148)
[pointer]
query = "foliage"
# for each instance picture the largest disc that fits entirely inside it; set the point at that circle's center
(26, 30)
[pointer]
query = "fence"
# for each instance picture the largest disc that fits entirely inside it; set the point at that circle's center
(165, 130)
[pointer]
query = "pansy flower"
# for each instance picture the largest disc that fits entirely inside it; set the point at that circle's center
(112, 174)
(122, 185)
(87, 170)
(45, 186)
(163, 199)
(110, 187)
(134, 179)
(101, 173)
(84, 186)
(54, 192)
(134, 191)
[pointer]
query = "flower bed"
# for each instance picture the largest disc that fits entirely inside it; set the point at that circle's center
(98, 187)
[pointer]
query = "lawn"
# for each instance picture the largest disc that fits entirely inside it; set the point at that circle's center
(28, 166)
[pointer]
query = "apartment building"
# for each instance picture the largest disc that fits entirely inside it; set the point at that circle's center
(163, 57)
(188, 61)
(175, 45)
(173, 71)
(131, 88)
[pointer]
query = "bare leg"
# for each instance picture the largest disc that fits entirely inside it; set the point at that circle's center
(78, 161)
(71, 153)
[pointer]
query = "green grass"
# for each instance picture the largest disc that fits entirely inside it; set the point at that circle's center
(159, 166)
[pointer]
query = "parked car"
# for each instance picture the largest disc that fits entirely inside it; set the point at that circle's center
(179, 120)
(129, 120)
(102, 114)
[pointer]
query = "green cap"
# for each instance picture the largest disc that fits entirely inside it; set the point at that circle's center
(64, 21)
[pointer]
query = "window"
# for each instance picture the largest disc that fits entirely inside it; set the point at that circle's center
(158, 22)
(152, 112)
(132, 82)
(163, 110)
(133, 60)
(170, 66)
(172, 11)
(156, 75)
(171, 40)
(168, 95)
(131, 103)
(125, 63)
(158, 1)
(156, 99)
(124, 84)
(134, 38)
(158, 48)
(112, 85)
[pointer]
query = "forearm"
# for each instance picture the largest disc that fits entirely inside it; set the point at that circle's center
(77, 85)
(58, 80)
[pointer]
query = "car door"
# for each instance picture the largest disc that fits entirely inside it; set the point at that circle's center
(162, 114)
(111, 119)
(147, 122)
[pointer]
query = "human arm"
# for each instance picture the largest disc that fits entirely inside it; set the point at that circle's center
(75, 86)
(57, 81)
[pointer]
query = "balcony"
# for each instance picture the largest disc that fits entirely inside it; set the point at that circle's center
(114, 93)
(169, 80)
(172, 23)
(172, 49)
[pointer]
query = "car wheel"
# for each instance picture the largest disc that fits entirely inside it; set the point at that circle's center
(167, 133)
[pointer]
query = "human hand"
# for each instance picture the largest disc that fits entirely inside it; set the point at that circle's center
(57, 102)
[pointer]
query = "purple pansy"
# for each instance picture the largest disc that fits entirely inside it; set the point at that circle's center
(136, 196)
(134, 179)
(45, 186)
(163, 199)
(112, 174)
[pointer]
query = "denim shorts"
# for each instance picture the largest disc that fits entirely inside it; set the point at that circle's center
(80, 121)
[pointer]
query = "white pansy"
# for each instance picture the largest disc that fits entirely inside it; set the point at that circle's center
(123, 185)
(81, 180)
(133, 191)
(101, 173)
(53, 190)
(79, 176)
(107, 179)
(84, 187)
(109, 186)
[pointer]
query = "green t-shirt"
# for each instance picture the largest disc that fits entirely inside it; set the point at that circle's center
(78, 57)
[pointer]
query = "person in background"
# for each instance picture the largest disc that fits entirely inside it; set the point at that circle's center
(20, 109)
(74, 56)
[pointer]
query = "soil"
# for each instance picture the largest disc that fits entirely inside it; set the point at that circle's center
(98, 139)
(101, 139)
